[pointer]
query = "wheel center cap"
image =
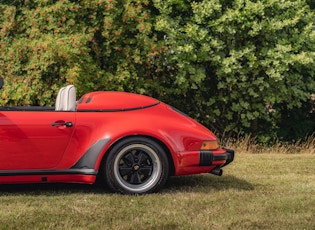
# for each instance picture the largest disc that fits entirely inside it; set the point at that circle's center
(136, 167)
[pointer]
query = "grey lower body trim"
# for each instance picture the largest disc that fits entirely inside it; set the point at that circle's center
(89, 158)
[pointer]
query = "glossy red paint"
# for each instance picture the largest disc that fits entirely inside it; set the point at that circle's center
(188, 162)
(28, 141)
(33, 150)
(76, 179)
(114, 101)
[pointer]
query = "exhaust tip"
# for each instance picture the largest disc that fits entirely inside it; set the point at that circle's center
(217, 171)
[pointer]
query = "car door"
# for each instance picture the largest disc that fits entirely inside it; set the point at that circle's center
(31, 140)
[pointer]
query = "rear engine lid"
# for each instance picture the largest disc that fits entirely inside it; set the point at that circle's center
(114, 101)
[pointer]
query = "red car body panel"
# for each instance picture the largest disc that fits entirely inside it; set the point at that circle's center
(28, 141)
(33, 149)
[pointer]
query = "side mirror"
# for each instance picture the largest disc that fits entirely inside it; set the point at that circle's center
(1, 82)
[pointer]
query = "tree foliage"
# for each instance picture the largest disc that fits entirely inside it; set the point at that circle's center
(237, 66)
(240, 64)
(96, 44)
(311, 3)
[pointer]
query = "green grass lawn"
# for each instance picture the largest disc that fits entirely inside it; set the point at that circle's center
(256, 191)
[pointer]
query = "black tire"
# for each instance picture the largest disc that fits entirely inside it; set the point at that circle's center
(136, 165)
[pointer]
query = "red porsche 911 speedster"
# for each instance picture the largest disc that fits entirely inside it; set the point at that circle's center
(131, 142)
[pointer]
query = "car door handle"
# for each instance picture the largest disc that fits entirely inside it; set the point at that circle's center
(67, 124)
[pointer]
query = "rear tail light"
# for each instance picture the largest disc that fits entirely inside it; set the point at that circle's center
(209, 145)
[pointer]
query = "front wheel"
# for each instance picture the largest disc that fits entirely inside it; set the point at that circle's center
(136, 166)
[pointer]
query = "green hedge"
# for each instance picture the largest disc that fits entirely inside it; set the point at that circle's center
(237, 66)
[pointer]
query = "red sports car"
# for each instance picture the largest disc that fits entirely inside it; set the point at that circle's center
(133, 143)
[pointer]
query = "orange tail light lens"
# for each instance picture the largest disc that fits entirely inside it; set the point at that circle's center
(209, 145)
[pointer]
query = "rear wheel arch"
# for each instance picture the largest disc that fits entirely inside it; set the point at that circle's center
(162, 144)
(108, 157)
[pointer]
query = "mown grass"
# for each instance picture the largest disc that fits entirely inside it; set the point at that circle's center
(257, 191)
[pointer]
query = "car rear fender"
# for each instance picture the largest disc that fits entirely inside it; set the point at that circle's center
(103, 153)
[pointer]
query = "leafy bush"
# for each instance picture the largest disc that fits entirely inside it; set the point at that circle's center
(95, 45)
(237, 66)
(240, 65)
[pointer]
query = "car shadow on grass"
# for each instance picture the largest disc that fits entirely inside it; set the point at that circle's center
(51, 189)
(194, 183)
(206, 183)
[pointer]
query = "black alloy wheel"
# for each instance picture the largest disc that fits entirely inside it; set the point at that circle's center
(136, 165)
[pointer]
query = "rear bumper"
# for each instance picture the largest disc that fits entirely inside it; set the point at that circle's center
(230, 155)
(208, 158)
(195, 162)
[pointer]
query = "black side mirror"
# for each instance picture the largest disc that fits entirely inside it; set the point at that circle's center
(1, 82)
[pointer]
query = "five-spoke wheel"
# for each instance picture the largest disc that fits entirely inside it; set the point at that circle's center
(136, 166)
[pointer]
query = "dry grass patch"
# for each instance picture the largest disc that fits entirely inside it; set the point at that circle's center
(248, 144)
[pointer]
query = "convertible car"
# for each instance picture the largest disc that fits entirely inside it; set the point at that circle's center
(131, 142)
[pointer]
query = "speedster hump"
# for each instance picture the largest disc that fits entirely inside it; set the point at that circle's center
(114, 101)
